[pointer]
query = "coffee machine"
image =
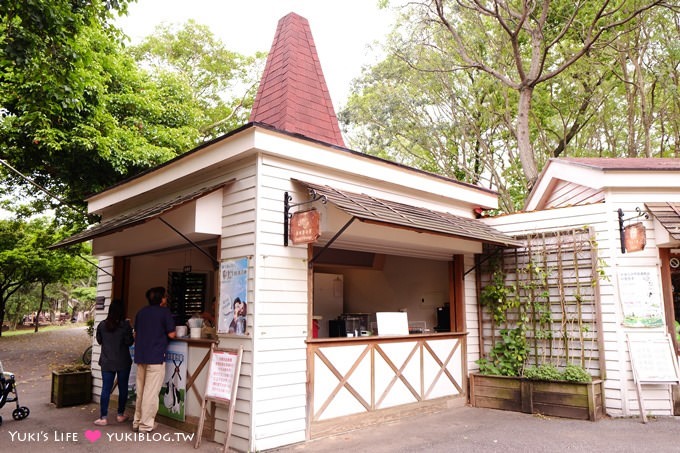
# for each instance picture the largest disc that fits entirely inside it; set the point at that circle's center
(443, 319)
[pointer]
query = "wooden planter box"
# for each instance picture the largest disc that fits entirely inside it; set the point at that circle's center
(71, 389)
(583, 401)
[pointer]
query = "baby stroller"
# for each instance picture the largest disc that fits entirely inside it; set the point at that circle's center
(7, 386)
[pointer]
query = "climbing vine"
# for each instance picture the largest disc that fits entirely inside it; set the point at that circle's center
(537, 307)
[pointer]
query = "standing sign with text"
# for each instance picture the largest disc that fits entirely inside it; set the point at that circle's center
(223, 373)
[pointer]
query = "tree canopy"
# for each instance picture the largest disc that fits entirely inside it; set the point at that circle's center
(499, 87)
(79, 113)
(25, 260)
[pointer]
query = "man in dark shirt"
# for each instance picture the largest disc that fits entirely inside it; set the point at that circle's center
(154, 326)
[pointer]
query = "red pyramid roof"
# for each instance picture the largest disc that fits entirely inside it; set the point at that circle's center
(293, 95)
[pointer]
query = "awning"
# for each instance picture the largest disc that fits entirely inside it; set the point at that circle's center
(668, 215)
(128, 220)
(379, 211)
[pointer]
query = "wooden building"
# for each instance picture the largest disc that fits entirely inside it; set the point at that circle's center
(391, 239)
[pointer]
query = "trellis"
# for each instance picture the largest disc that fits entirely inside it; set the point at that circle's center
(555, 279)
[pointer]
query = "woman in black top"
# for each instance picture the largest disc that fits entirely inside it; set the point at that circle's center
(114, 334)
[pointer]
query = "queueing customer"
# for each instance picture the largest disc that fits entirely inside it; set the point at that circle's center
(154, 326)
(114, 334)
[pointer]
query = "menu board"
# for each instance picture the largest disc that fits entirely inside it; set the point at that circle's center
(653, 359)
(224, 366)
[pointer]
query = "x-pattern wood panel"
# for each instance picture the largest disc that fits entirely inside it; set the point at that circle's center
(343, 381)
(443, 368)
(398, 367)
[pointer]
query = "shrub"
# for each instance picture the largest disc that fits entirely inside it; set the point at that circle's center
(544, 372)
(576, 373)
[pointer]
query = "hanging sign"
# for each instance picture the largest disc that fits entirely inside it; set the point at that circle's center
(304, 227)
(634, 237)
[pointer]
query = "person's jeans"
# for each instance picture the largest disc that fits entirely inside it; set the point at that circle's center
(108, 377)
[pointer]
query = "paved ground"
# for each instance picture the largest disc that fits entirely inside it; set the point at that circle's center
(462, 429)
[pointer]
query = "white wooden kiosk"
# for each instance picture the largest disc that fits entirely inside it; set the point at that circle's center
(401, 238)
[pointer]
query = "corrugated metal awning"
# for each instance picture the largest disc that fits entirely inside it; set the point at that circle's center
(668, 215)
(379, 211)
(128, 220)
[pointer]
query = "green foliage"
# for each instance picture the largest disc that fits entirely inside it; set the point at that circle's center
(575, 373)
(25, 260)
(73, 368)
(549, 372)
(508, 355)
(90, 326)
(221, 83)
(79, 114)
(498, 297)
(543, 372)
(446, 96)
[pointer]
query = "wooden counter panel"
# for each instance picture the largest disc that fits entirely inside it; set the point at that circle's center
(364, 374)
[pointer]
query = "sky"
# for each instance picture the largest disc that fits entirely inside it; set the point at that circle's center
(342, 29)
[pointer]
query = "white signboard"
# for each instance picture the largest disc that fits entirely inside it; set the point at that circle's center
(653, 359)
(640, 295)
(223, 367)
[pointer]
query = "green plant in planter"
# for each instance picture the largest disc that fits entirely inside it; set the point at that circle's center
(543, 372)
(576, 373)
(549, 372)
(73, 368)
(508, 355)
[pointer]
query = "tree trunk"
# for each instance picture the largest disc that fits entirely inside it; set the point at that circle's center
(42, 301)
(526, 150)
(2, 312)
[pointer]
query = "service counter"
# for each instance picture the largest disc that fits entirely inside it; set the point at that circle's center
(350, 376)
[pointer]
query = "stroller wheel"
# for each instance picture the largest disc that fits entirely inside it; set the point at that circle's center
(0, 420)
(20, 413)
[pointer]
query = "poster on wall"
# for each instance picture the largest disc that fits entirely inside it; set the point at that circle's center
(233, 306)
(640, 295)
(172, 396)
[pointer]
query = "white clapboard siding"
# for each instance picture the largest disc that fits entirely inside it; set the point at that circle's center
(239, 216)
(104, 289)
(471, 315)
(570, 194)
(281, 325)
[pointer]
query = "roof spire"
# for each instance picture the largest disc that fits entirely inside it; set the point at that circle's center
(293, 95)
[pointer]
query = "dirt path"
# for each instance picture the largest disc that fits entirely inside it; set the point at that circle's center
(33, 356)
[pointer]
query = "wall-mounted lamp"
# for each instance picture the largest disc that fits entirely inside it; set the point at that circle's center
(633, 237)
